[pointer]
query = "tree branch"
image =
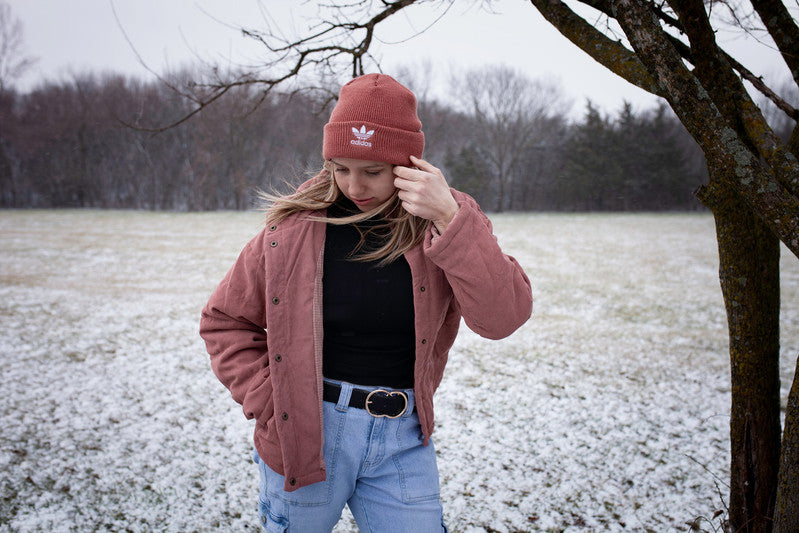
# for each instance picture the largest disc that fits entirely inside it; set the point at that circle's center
(612, 54)
(604, 6)
(319, 50)
(783, 30)
(730, 96)
(767, 197)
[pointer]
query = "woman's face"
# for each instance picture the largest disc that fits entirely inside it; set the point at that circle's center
(367, 183)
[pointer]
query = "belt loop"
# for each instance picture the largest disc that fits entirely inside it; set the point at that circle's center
(344, 397)
(411, 403)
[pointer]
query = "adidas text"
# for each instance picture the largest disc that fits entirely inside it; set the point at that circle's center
(361, 143)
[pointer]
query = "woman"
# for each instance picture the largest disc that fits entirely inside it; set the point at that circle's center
(333, 327)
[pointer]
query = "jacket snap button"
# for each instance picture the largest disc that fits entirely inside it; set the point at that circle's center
(272, 227)
(285, 416)
(292, 482)
(422, 289)
(424, 341)
(273, 244)
(275, 300)
(278, 358)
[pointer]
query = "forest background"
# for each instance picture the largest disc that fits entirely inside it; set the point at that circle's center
(510, 141)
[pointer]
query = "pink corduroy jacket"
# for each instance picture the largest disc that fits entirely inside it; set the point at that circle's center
(263, 326)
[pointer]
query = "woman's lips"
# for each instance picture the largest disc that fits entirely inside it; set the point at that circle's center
(362, 201)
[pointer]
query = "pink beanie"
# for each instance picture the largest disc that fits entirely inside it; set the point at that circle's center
(375, 119)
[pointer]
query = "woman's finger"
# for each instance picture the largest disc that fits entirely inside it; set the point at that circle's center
(424, 165)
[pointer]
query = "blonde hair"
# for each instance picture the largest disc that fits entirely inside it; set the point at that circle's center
(397, 230)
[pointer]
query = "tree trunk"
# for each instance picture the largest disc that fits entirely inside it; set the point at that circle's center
(736, 146)
(749, 275)
(786, 513)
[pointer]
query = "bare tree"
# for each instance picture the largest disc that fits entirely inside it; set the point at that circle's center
(510, 111)
(753, 189)
(13, 61)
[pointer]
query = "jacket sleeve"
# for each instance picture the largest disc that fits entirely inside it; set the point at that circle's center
(233, 325)
(491, 288)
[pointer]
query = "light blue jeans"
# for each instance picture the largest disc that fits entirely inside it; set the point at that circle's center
(377, 466)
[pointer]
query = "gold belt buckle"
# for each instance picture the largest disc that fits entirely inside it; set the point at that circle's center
(387, 393)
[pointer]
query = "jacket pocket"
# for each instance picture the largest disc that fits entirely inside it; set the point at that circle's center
(259, 402)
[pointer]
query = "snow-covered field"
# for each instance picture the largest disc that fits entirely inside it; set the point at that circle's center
(608, 411)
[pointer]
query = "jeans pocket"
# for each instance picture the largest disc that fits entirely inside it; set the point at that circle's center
(416, 464)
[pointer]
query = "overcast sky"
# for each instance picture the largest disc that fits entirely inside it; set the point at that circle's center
(75, 36)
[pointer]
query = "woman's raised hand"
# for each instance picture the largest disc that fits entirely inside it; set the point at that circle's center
(424, 192)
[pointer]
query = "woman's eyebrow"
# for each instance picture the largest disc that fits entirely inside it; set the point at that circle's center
(365, 167)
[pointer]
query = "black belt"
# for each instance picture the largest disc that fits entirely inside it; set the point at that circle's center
(380, 402)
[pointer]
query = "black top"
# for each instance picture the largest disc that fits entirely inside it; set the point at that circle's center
(368, 315)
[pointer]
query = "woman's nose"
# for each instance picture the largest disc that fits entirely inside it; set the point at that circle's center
(357, 184)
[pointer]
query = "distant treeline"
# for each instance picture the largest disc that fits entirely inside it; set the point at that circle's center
(508, 142)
